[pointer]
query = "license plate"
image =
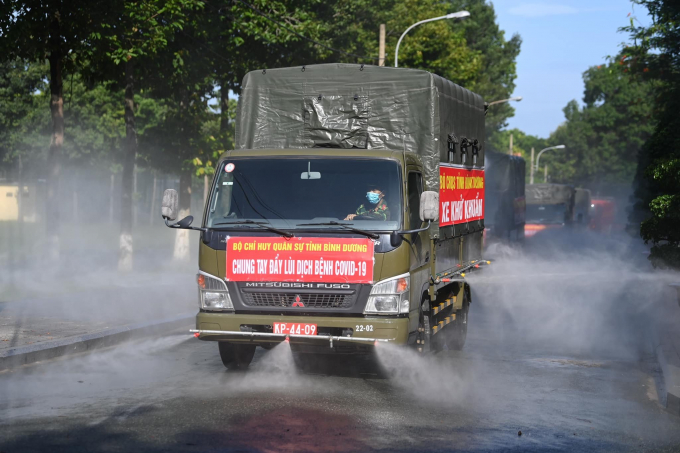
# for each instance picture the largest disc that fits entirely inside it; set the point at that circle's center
(294, 328)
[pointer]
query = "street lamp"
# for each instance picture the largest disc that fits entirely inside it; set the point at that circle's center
(458, 15)
(538, 157)
(518, 98)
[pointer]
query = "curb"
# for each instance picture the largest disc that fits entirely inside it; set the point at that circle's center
(25, 355)
(670, 369)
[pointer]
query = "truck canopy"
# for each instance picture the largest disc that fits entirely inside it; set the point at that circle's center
(549, 193)
(365, 107)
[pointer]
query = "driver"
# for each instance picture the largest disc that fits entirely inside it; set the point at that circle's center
(376, 209)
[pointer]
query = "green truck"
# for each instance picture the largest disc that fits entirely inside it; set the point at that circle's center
(549, 207)
(347, 215)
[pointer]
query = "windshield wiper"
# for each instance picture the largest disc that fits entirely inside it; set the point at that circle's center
(342, 225)
(260, 224)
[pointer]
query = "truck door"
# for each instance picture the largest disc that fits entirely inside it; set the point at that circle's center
(419, 244)
(419, 251)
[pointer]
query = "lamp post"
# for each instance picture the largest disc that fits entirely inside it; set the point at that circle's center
(458, 15)
(535, 167)
(500, 101)
(517, 98)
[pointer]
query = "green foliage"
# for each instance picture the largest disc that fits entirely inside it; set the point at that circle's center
(604, 137)
(186, 51)
(656, 56)
(93, 115)
(25, 27)
(498, 70)
(22, 112)
(473, 52)
(521, 145)
(521, 142)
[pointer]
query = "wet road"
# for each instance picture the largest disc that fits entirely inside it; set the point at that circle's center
(567, 364)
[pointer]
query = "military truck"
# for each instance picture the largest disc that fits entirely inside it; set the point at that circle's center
(504, 198)
(549, 206)
(347, 215)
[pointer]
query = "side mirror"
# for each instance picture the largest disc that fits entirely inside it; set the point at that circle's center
(396, 239)
(185, 222)
(429, 206)
(170, 206)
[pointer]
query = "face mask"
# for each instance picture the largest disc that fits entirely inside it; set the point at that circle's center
(373, 197)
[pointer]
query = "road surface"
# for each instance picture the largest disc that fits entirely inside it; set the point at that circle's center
(557, 351)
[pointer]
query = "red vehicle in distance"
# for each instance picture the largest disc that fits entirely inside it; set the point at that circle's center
(602, 214)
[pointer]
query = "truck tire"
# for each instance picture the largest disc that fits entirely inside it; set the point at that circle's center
(236, 356)
(456, 332)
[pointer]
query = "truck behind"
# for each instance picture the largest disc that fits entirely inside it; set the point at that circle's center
(549, 206)
(505, 202)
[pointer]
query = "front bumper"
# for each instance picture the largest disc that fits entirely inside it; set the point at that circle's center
(228, 326)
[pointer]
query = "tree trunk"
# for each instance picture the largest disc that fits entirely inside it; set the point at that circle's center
(224, 112)
(19, 240)
(20, 194)
(75, 205)
(113, 178)
(153, 199)
(181, 252)
(57, 139)
(125, 256)
(134, 196)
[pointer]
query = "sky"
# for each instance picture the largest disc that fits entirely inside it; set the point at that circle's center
(560, 40)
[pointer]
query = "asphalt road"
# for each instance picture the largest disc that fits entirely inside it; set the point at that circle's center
(557, 350)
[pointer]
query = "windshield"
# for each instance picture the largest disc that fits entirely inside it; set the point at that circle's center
(546, 213)
(286, 192)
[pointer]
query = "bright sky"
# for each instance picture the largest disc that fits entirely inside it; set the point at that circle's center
(560, 40)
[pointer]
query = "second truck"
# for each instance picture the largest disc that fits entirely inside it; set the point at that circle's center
(347, 215)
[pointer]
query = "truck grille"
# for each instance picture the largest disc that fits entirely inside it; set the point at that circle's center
(313, 300)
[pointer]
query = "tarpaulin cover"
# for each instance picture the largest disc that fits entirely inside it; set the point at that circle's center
(357, 106)
(582, 203)
(504, 191)
(549, 194)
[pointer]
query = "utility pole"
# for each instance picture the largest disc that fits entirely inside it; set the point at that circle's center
(545, 173)
(531, 167)
(381, 46)
(510, 150)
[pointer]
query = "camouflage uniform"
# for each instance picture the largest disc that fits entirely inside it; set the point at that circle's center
(380, 212)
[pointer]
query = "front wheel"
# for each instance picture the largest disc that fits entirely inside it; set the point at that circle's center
(236, 356)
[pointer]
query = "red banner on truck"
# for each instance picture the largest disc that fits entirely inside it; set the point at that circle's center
(461, 195)
(332, 260)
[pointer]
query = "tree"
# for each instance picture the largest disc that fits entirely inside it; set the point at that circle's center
(21, 85)
(498, 69)
(33, 30)
(604, 136)
(655, 56)
(522, 143)
(216, 48)
(134, 29)
(472, 53)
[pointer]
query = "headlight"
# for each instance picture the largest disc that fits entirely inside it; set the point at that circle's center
(390, 297)
(213, 293)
